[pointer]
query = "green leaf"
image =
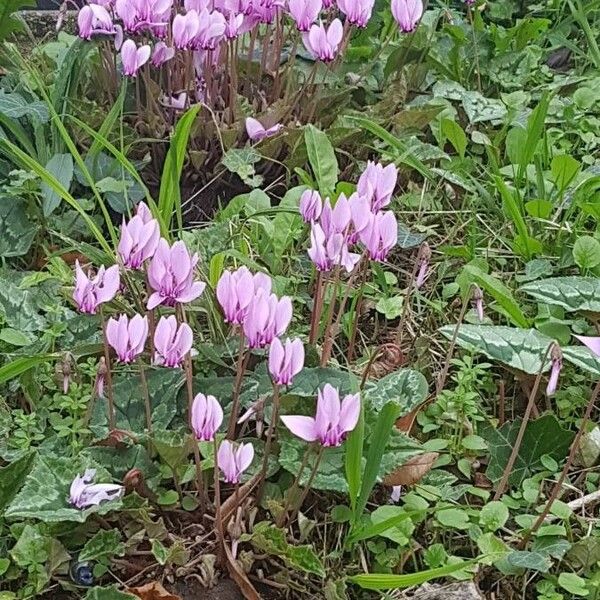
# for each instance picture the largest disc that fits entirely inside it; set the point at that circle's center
(582, 357)
(272, 540)
(570, 293)
(533, 561)
(21, 365)
(108, 593)
(12, 477)
(353, 459)
(551, 545)
(454, 518)
(321, 156)
(60, 166)
(586, 252)
(169, 198)
(499, 292)
(14, 337)
(45, 492)
(17, 230)
(493, 515)
(406, 389)
(564, 169)
(377, 443)
(521, 349)
(573, 584)
(391, 522)
(14, 106)
(390, 308)
(103, 546)
(542, 436)
(454, 133)
(241, 161)
(385, 581)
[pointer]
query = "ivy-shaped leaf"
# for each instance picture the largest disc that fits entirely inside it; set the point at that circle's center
(105, 544)
(17, 231)
(13, 105)
(570, 293)
(406, 387)
(582, 357)
(44, 495)
(542, 436)
(521, 349)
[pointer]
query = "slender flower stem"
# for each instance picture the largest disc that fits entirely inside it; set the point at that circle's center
(146, 394)
(315, 316)
(269, 440)
(308, 485)
(218, 518)
(573, 451)
(242, 363)
(110, 406)
(327, 333)
(517, 445)
(189, 383)
(292, 491)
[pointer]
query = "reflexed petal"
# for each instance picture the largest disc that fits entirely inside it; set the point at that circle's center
(301, 426)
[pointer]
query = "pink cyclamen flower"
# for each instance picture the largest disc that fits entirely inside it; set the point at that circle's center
(380, 236)
(323, 43)
(592, 342)
(377, 184)
(336, 219)
(234, 459)
(304, 12)
(211, 30)
(127, 336)
(184, 29)
(235, 291)
(478, 302)
(556, 366)
(256, 132)
(311, 205)
(396, 494)
(358, 12)
(207, 416)
(139, 238)
(285, 360)
(171, 275)
(267, 318)
(134, 58)
(162, 54)
(327, 251)
(407, 13)
(94, 19)
(333, 419)
(172, 342)
(91, 292)
(233, 25)
(83, 493)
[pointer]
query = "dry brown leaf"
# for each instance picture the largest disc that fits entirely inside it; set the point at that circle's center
(152, 591)
(241, 579)
(413, 470)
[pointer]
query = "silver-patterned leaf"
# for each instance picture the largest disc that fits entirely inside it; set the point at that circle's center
(13, 105)
(16, 229)
(407, 388)
(570, 293)
(521, 349)
(582, 357)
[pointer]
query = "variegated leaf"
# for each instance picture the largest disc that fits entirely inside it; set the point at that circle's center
(407, 388)
(571, 293)
(583, 358)
(521, 349)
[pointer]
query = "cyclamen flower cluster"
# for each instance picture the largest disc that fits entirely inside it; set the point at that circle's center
(353, 220)
(207, 25)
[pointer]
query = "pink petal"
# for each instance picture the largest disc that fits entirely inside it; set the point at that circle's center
(300, 426)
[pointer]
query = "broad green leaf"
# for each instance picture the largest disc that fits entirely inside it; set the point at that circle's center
(272, 540)
(544, 435)
(12, 478)
(551, 545)
(17, 229)
(241, 161)
(60, 166)
(521, 349)
(406, 388)
(353, 458)
(108, 593)
(169, 198)
(454, 133)
(493, 515)
(533, 561)
(499, 292)
(45, 494)
(391, 522)
(575, 585)
(386, 581)
(321, 156)
(582, 357)
(105, 544)
(586, 252)
(14, 106)
(453, 518)
(571, 293)
(311, 379)
(564, 169)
